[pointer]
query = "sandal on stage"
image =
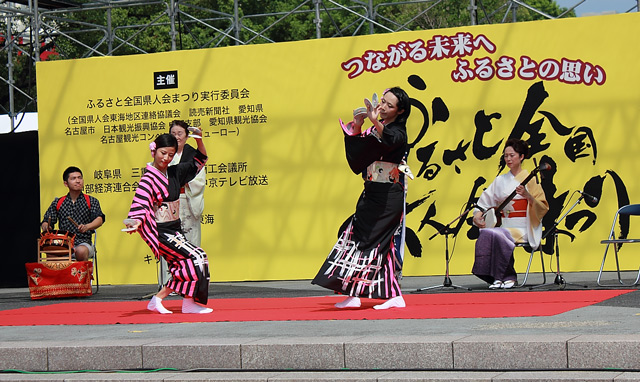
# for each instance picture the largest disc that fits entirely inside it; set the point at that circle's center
(496, 285)
(508, 284)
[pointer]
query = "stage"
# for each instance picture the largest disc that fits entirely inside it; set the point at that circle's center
(419, 307)
(593, 337)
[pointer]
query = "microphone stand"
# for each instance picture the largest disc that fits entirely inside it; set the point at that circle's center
(559, 280)
(446, 230)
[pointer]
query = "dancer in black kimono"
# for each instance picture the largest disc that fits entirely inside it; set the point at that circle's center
(365, 260)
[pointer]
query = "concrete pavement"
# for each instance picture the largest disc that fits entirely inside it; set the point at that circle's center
(599, 342)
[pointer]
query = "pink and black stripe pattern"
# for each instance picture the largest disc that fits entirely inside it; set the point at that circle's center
(152, 189)
(188, 265)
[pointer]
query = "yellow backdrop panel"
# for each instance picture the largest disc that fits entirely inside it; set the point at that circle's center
(278, 186)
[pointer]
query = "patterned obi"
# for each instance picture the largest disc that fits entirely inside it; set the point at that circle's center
(168, 211)
(519, 209)
(383, 172)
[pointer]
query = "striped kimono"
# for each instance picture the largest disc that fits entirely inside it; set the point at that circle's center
(188, 264)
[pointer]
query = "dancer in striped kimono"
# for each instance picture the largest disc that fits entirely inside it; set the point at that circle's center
(155, 214)
(365, 260)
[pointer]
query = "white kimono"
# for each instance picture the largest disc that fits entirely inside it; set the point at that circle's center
(523, 229)
(494, 247)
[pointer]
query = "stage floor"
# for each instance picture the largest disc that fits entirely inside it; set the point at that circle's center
(595, 337)
(15, 298)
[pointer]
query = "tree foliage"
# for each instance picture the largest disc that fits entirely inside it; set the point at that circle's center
(212, 23)
(146, 27)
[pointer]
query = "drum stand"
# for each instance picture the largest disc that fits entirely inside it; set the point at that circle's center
(559, 280)
(446, 231)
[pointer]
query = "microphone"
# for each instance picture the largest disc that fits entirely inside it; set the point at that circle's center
(593, 199)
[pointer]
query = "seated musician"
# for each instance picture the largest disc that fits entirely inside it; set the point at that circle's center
(521, 219)
(77, 213)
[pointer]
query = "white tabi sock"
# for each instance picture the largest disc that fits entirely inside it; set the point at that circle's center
(349, 302)
(155, 305)
(190, 306)
(396, 302)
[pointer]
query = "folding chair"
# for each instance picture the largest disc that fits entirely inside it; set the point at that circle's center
(94, 243)
(628, 210)
(532, 251)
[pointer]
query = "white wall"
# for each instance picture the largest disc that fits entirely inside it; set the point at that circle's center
(21, 123)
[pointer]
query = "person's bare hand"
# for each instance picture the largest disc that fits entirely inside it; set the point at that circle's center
(522, 191)
(132, 223)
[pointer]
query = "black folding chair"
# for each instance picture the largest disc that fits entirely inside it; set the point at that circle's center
(531, 251)
(628, 210)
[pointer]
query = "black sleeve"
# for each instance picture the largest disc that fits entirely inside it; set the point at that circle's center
(51, 213)
(186, 171)
(394, 135)
(95, 209)
(361, 151)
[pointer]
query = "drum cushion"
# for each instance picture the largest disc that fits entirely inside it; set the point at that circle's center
(59, 279)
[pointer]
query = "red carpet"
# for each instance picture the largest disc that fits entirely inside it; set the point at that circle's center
(419, 306)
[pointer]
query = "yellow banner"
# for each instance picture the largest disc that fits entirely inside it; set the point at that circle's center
(278, 185)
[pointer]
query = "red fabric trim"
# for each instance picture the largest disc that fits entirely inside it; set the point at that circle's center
(86, 197)
(59, 279)
(519, 209)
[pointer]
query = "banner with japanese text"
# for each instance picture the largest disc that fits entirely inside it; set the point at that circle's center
(278, 185)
